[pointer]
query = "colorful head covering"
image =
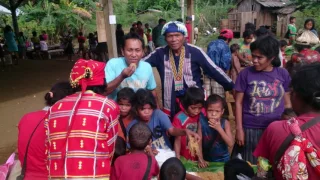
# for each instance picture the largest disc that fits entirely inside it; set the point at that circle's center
(87, 73)
(174, 26)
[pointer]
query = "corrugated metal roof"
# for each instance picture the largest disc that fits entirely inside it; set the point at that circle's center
(286, 10)
(270, 3)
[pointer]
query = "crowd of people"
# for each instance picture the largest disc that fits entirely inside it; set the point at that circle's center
(108, 121)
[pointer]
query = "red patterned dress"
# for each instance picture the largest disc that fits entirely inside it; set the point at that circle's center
(81, 132)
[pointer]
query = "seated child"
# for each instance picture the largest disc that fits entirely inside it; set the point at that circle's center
(235, 62)
(172, 169)
(43, 47)
(192, 103)
(124, 100)
(137, 164)
(216, 131)
(283, 46)
(245, 56)
(158, 122)
(237, 169)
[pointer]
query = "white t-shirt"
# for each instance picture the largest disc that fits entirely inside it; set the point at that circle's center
(43, 46)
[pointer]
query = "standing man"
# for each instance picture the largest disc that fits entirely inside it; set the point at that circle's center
(129, 71)
(82, 128)
(219, 52)
(189, 29)
(179, 65)
(157, 37)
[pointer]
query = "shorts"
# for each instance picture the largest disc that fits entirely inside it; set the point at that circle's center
(213, 87)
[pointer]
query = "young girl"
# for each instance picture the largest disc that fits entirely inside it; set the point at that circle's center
(235, 62)
(216, 131)
(189, 119)
(262, 94)
(158, 122)
(125, 101)
(245, 53)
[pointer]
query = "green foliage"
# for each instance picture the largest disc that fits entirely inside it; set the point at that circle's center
(57, 18)
(307, 10)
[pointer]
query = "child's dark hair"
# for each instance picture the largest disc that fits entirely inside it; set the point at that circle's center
(269, 47)
(41, 38)
(318, 49)
(120, 149)
(143, 97)
(300, 46)
(139, 136)
(235, 167)
(234, 48)
(250, 26)
(126, 94)
(34, 33)
(139, 23)
(307, 21)
(172, 169)
(133, 35)
(215, 98)
(247, 33)
(193, 96)
(289, 112)
(306, 84)
(283, 43)
(58, 91)
(80, 34)
(292, 18)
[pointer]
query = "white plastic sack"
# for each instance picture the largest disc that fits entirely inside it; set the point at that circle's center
(308, 37)
(163, 155)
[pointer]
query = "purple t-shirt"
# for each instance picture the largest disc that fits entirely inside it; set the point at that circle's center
(263, 100)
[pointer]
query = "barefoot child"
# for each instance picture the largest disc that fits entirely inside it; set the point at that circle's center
(192, 103)
(138, 164)
(216, 132)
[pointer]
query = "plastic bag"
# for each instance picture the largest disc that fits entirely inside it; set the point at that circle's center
(307, 37)
(4, 168)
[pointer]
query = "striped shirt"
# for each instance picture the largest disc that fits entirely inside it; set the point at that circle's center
(81, 133)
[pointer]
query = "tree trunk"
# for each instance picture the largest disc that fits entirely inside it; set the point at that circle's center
(15, 21)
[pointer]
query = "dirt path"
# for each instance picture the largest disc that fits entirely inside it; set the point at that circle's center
(22, 89)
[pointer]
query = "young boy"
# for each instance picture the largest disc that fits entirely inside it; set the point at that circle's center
(283, 46)
(124, 100)
(235, 62)
(216, 132)
(292, 29)
(245, 52)
(138, 164)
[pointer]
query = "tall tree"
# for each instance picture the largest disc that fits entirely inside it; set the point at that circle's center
(12, 5)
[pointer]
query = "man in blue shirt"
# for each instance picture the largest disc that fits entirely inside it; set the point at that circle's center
(129, 71)
(219, 52)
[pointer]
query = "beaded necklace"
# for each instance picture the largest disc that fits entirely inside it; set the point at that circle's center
(177, 76)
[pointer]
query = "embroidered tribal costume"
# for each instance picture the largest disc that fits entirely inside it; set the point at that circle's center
(82, 128)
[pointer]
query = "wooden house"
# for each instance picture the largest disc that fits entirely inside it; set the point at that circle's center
(273, 13)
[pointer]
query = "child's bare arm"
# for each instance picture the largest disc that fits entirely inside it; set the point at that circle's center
(177, 146)
(224, 133)
(201, 162)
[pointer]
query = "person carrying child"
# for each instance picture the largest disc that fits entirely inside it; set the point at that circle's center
(158, 122)
(216, 131)
(189, 118)
(138, 164)
(244, 54)
(235, 62)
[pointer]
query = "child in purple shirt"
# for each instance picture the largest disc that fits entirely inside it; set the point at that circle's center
(262, 94)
